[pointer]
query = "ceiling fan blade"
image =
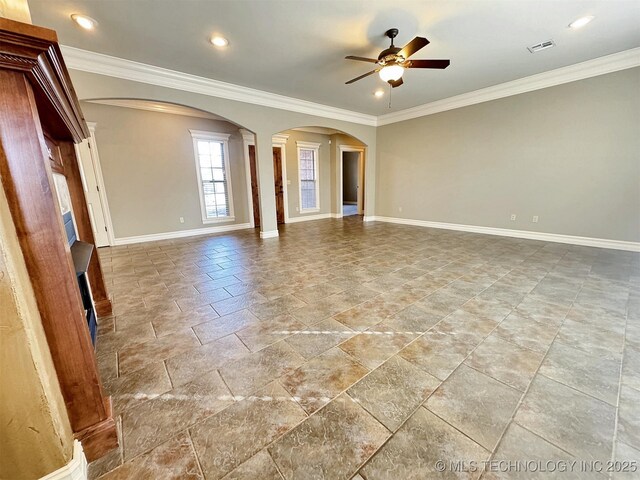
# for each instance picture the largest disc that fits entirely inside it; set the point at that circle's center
(396, 83)
(361, 76)
(413, 46)
(361, 59)
(428, 64)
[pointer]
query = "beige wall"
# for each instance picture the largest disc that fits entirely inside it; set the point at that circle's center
(264, 121)
(569, 154)
(35, 435)
(149, 169)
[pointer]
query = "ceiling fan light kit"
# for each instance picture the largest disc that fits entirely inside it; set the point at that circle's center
(391, 73)
(393, 61)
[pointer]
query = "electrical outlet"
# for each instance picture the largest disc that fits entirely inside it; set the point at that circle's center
(181, 219)
(513, 217)
(535, 219)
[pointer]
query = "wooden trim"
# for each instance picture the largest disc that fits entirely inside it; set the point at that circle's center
(104, 308)
(34, 51)
(27, 181)
(83, 223)
(36, 94)
(99, 437)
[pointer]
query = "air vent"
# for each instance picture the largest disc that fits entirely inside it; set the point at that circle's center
(541, 46)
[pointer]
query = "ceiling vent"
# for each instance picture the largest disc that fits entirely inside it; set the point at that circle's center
(541, 46)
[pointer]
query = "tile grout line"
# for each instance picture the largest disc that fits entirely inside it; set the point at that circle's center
(617, 415)
(195, 452)
(448, 376)
(521, 401)
(422, 404)
(284, 339)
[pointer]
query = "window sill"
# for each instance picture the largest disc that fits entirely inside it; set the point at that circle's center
(310, 210)
(218, 220)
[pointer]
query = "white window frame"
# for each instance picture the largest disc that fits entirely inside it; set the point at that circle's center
(224, 139)
(316, 165)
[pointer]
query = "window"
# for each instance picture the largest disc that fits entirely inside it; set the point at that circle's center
(214, 183)
(308, 175)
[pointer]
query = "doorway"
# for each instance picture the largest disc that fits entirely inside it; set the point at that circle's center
(352, 189)
(254, 185)
(278, 184)
(94, 191)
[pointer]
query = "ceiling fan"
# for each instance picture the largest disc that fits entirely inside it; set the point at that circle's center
(393, 60)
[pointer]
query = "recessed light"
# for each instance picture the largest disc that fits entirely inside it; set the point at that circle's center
(378, 93)
(219, 41)
(581, 22)
(83, 21)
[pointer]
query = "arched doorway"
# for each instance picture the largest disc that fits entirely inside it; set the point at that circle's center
(309, 174)
(157, 170)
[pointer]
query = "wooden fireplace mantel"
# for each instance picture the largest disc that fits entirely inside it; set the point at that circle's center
(36, 96)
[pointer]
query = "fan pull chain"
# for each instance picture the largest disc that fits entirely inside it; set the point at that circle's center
(390, 90)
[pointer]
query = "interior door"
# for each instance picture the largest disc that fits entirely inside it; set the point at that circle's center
(92, 194)
(277, 173)
(254, 185)
(361, 184)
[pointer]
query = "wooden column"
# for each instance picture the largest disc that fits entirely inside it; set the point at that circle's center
(35, 91)
(83, 221)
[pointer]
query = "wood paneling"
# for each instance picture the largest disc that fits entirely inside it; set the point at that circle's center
(36, 94)
(53, 154)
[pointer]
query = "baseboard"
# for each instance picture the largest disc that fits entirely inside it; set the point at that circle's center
(104, 308)
(270, 234)
(76, 469)
(307, 218)
(504, 232)
(337, 215)
(101, 437)
(153, 237)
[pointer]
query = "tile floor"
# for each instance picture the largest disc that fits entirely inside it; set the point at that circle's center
(369, 351)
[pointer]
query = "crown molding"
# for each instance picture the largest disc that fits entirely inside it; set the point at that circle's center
(579, 71)
(86, 61)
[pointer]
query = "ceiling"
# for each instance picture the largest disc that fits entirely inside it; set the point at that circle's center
(297, 47)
